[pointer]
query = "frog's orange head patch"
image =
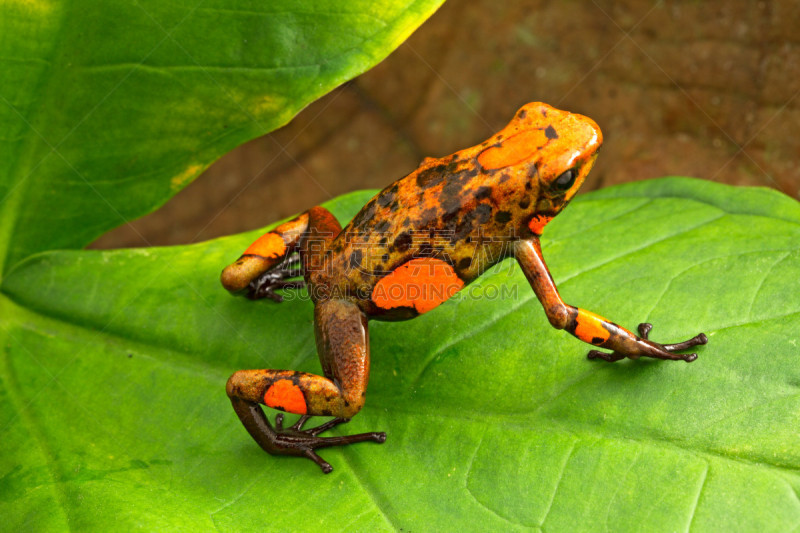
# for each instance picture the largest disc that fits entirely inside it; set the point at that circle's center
(554, 147)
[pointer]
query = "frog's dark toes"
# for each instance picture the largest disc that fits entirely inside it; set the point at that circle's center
(375, 436)
(295, 440)
(655, 350)
(323, 464)
(267, 283)
(605, 356)
(694, 341)
(644, 331)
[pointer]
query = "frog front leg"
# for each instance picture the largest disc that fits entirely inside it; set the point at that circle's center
(587, 326)
(271, 259)
(343, 348)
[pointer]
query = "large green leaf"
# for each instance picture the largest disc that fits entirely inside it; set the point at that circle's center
(108, 108)
(113, 411)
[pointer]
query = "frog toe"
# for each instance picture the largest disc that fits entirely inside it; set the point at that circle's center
(265, 285)
(609, 357)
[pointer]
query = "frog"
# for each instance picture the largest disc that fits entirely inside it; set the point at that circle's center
(413, 246)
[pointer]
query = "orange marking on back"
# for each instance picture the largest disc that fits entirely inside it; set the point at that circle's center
(538, 222)
(286, 396)
(589, 327)
(422, 283)
(513, 150)
(268, 245)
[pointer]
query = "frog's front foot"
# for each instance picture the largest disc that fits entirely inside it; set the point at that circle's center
(300, 442)
(655, 350)
(265, 285)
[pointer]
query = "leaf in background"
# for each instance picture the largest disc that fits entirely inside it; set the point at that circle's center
(109, 108)
(114, 413)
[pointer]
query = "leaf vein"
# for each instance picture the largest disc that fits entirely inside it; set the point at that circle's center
(640, 248)
(585, 229)
(693, 510)
(467, 334)
(187, 361)
(468, 471)
(371, 492)
(167, 69)
(525, 422)
(676, 275)
(762, 281)
(25, 414)
(563, 469)
(312, 12)
(746, 409)
(694, 199)
(233, 500)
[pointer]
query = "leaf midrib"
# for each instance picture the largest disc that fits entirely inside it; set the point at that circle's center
(15, 396)
(181, 361)
(582, 430)
(19, 186)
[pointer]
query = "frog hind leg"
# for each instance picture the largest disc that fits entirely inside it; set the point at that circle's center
(272, 259)
(343, 346)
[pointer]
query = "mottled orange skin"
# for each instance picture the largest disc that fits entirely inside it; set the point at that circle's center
(457, 210)
(409, 249)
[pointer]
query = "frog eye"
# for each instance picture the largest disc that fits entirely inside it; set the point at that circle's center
(565, 180)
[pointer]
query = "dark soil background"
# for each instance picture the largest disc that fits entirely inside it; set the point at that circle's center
(704, 89)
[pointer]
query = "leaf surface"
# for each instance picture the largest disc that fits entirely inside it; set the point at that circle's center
(114, 364)
(109, 108)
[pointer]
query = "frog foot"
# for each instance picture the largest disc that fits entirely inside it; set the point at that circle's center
(297, 441)
(265, 285)
(659, 351)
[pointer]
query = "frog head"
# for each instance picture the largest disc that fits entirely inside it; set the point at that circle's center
(553, 149)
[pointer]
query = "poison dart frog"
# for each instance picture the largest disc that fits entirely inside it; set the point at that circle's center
(411, 247)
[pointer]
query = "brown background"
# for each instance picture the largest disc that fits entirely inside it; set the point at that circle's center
(704, 89)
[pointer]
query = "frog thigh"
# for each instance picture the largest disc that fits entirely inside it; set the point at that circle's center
(312, 230)
(343, 348)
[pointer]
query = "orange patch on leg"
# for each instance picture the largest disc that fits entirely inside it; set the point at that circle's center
(589, 328)
(286, 396)
(268, 245)
(422, 283)
(537, 223)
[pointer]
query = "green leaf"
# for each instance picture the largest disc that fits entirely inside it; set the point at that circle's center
(109, 108)
(113, 411)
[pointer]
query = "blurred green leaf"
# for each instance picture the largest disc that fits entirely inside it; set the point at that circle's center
(113, 411)
(107, 108)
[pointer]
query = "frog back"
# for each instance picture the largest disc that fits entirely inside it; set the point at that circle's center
(426, 236)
